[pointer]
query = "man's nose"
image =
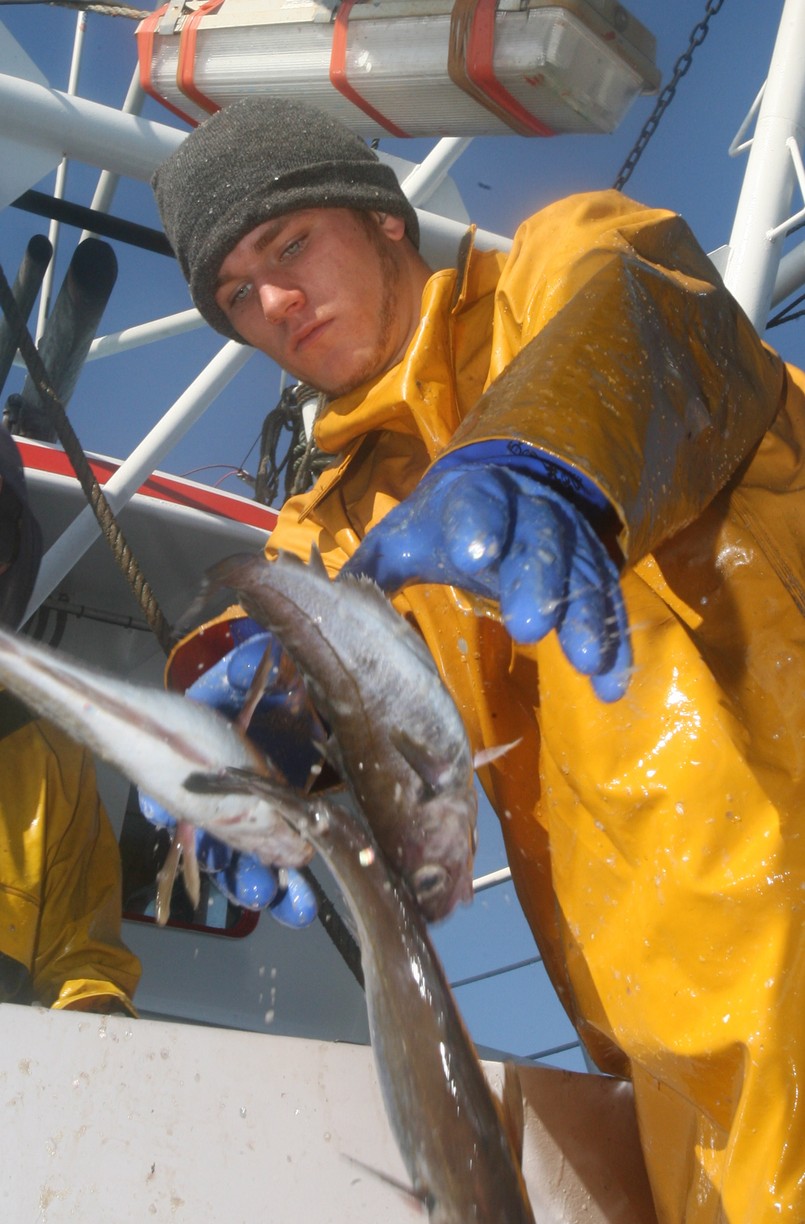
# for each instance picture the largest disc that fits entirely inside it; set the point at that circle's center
(277, 301)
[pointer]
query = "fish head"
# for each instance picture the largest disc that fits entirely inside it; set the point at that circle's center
(437, 855)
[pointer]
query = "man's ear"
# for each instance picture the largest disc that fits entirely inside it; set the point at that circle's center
(391, 225)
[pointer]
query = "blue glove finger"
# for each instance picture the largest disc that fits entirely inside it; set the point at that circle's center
(587, 633)
(155, 813)
(284, 893)
(475, 521)
(213, 855)
(534, 572)
(558, 574)
(295, 905)
(284, 724)
(224, 685)
(247, 882)
(612, 684)
(584, 633)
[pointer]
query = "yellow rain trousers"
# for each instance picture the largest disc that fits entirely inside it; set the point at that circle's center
(654, 842)
(60, 909)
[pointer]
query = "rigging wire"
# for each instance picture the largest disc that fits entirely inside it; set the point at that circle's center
(697, 37)
(785, 315)
(498, 971)
(93, 492)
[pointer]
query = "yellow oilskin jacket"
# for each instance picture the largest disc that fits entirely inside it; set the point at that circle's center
(654, 842)
(60, 908)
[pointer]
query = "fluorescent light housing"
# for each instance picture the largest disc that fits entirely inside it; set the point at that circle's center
(406, 67)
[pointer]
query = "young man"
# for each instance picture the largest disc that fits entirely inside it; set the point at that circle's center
(545, 448)
(60, 906)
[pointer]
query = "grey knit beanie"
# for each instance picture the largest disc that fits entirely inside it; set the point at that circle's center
(258, 158)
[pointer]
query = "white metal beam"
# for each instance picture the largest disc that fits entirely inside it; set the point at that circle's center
(763, 213)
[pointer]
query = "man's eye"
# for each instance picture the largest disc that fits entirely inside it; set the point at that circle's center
(292, 248)
(240, 294)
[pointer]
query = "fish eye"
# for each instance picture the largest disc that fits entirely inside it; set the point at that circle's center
(429, 881)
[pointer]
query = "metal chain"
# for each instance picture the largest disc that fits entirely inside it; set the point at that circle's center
(697, 37)
(86, 477)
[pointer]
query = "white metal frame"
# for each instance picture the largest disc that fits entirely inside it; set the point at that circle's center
(755, 271)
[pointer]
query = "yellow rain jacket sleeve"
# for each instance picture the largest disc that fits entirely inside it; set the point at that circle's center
(60, 903)
(656, 843)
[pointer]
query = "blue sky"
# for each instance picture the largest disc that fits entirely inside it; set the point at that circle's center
(502, 180)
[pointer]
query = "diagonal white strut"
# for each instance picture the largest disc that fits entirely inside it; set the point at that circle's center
(764, 207)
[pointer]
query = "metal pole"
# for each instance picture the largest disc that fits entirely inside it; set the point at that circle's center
(790, 274)
(83, 130)
(68, 333)
(145, 333)
(29, 279)
(120, 488)
(756, 241)
(425, 178)
(61, 177)
(107, 182)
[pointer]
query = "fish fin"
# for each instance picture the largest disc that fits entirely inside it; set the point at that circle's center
(257, 687)
(186, 837)
(165, 880)
(231, 780)
(316, 563)
(217, 578)
(330, 786)
(487, 755)
(411, 1192)
(330, 750)
(512, 1109)
(425, 764)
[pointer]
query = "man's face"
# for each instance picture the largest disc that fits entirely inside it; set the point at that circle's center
(322, 291)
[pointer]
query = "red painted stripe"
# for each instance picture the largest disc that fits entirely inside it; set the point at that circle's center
(481, 69)
(245, 924)
(159, 486)
(338, 72)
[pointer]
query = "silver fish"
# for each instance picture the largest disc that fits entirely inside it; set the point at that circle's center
(397, 735)
(156, 739)
(452, 1137)
(450, 1130)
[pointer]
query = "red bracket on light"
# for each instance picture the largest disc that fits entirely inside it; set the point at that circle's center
(338, 72)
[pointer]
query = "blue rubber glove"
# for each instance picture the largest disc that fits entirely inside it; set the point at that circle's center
(284, 726)
(498, 532)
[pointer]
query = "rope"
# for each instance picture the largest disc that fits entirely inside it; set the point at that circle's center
(697, 37)
(90, 6)
(86, 477)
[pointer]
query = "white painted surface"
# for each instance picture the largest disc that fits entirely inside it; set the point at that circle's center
(110, 1119)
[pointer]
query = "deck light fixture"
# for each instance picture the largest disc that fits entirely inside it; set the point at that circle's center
(406, 67)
